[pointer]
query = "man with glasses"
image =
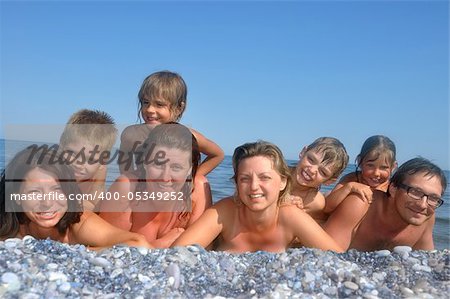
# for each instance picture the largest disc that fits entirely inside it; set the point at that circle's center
(404, 215)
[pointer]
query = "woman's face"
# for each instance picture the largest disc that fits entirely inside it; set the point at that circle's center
(46, 203)
(258, 183)
(168, 171)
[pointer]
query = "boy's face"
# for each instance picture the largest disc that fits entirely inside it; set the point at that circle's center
(311, 171)
(82, 156)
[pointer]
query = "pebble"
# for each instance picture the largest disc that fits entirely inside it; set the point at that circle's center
(43, 268)
(65, 287)
(384, 252)
(402, 249)
(351, 285)
(11, 281)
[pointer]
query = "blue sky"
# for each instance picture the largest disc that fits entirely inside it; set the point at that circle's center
(286, 72)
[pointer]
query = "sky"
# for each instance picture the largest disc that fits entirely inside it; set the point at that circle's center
(282, 71)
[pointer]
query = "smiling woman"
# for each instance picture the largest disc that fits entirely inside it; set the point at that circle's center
(46, 207)
(254, 219)
(158, 200)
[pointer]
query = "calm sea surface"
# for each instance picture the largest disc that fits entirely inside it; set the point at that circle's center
(222, 186)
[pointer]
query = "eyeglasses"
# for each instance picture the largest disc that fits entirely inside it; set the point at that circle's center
(432, 200)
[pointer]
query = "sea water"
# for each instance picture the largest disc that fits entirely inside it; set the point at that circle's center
(222, 186)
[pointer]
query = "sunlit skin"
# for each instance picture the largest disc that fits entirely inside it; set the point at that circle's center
(389, 221)
(259, 184)
(254, 221)
(164, 223)
(169, 176)
(90, 176)
(376, 172)
(413, 211)
(83, 170)
(157, 111)
(374, 175)
(309, 174)
(311, 171)
(44, 215)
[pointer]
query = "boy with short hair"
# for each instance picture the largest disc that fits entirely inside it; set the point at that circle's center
(87, 139)
(321, 162)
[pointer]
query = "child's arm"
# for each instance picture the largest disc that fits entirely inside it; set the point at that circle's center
(167, 240)
(126, 146)
(118, 213)
(342, 189)
(214, 154)
(201, 198)
(94, 231)
(307, 230)
(207, 227)
(317, 205)
(343, 222)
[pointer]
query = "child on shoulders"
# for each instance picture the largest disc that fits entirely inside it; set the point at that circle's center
(163, 99)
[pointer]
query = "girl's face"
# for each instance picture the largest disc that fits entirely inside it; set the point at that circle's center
(168, 173)
(375, 171)
(46, 203)
(157, 111)
(258, 183)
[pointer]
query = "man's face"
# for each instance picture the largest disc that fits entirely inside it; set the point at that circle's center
(416, 211)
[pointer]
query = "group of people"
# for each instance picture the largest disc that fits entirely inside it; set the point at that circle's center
(162, 197)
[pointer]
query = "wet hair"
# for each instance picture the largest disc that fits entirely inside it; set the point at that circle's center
(419, 165)
(334, 153)
(376, 146)
(13, 177)
(171, 135)
(167, 85)
(92, 126)
(268, 150)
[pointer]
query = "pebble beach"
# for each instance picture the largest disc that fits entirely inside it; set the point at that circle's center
(32, 268)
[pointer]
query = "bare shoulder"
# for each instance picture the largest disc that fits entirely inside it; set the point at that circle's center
(318, 202)
(350, 177)
(225, 204)
(225, 209)
(289, 213)
(85, 217)
(201, 139)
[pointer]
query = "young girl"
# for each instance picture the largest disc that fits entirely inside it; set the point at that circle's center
(163, 99)
(38, 198)
(161, 207)
(376, 162)
(253, 219)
